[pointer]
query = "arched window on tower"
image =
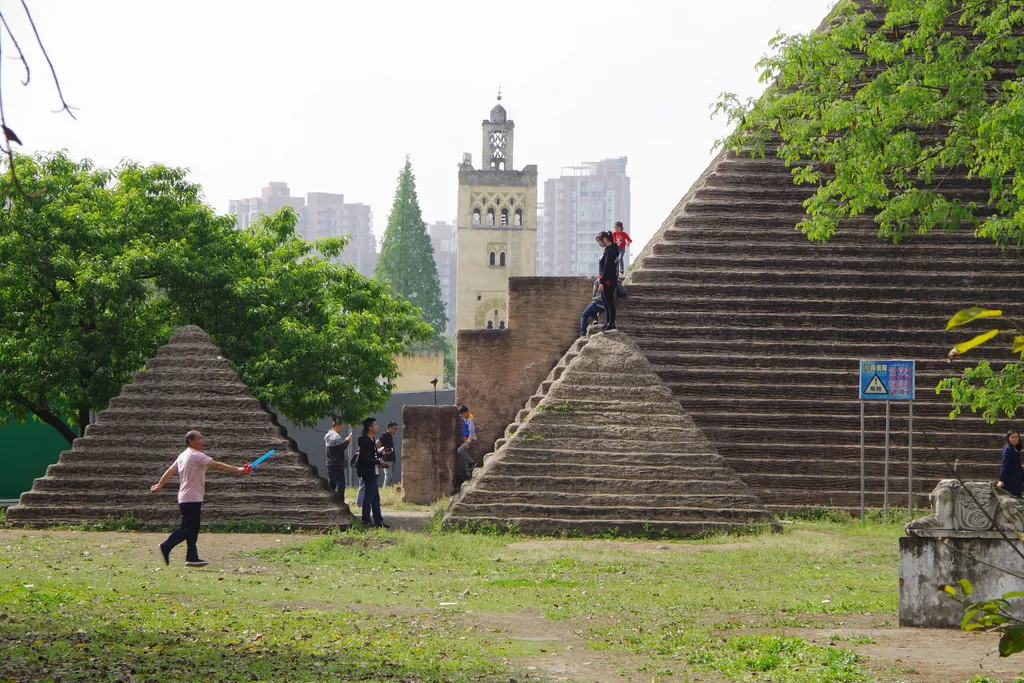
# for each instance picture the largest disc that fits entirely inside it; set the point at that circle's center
(501, 165)
(490, 216)
(519, 218)
(492, 258)
(476, 217)
(490, 325)
(504, 217)
(501, 259)
(501, 325)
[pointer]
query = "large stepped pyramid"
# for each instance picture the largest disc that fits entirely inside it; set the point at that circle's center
(187, 385)
(602, 447)
(758, 333)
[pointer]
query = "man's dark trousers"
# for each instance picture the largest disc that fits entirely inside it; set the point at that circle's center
(592, 311)
(188, 531)
(371, 500)
(336, 477)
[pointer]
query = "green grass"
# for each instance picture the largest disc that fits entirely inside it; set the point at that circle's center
(373, 606)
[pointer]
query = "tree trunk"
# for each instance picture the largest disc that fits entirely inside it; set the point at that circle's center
(55, 422)
(83, 420)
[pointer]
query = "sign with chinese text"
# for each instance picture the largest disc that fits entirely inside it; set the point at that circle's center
(887, 380)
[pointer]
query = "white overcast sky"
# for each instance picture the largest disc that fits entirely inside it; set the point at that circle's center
(331, 96)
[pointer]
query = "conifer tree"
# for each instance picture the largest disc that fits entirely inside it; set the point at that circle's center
(407, 256)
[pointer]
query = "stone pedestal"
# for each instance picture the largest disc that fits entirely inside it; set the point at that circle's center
(928, 564)
(430, 436)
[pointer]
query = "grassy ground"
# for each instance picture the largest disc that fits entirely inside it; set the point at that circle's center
(447, 607)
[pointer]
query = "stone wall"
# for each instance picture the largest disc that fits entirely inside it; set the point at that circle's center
(418, 369)
(431, 435)
(928, 564)
(498, 370)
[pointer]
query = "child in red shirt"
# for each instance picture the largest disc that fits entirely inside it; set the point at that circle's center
(621, 239)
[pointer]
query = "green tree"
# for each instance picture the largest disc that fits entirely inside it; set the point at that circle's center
(407, 257)
(876, 115)
(101, 266)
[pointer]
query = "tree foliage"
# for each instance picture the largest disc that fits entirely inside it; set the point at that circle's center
(102, 265)
(407, 257)
(877, 115)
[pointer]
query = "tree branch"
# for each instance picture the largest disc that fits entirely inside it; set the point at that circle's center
(21, 55)
(64, 105)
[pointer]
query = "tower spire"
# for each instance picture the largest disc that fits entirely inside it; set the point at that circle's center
(499, 91)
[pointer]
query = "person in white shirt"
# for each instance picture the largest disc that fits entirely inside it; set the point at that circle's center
(191, 470)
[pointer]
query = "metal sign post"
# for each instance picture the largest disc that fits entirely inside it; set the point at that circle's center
(888, 380)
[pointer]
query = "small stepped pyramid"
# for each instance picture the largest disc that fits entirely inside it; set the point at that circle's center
(187, 385)
(604, 447)
(758, 332)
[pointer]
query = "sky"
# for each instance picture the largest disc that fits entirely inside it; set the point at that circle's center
(331, 96)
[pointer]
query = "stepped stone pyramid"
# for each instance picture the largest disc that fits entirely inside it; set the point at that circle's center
(187, 385)
(604, 446)
(758, 332)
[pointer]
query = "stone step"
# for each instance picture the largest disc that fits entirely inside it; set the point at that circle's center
(558, 445)
(740, 261)
(866, 349)
(609, 498)
(568, 469)
(795, 433)
(668, 290)
(314, 517)
(183, 391)
(595, 512)
(785, 359)
(933, 323)
(805, 277)
(630, 525)
(212, 417)
(843, 335)
(225, 495)
(849, 500)
(170, 431)
(106, 480)
(547, 425)
(786, 456)
(515, 455)
(571, 484)
(158, 403)
(860, 252)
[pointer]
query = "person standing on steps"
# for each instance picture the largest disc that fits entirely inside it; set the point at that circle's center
(190, 466)
(621, 239)
(386, 444)
(335, 448)
(464, 462)
(593, 309)
(368, 467)
(609, 278)
(1011, 475)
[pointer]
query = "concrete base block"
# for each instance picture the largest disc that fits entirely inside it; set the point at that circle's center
(431, 435)
(928, 564)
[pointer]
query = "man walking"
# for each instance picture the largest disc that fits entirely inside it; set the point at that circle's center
(386, 443)
(464, 462)
(334, 453)
(191, 468)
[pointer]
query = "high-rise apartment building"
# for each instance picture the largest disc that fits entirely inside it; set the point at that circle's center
(585, 200)
(321, 214)
(442, 237)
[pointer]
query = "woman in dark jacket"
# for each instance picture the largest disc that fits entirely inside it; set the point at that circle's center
(1011, 475)
(609, 276)
(367, 463)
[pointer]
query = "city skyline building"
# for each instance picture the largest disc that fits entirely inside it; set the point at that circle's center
(583, 201)
(321, 214)
(442, 237)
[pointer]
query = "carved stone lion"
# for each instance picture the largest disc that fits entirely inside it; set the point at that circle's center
(971, 506)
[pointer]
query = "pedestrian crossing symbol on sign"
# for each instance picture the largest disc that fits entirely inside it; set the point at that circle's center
(875, 387)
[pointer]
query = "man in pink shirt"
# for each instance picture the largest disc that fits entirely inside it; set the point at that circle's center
(191, 470)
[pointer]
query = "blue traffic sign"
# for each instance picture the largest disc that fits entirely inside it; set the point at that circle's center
(887, 380)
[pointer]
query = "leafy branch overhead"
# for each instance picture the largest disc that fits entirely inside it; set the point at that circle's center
(877, 113)
(982, 388)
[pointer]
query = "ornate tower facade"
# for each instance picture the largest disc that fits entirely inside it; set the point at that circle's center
(497, 227)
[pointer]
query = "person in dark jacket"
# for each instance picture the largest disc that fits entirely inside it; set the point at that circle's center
(1011, 475)
(609, 278)
(368, 464)
(386, 444)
